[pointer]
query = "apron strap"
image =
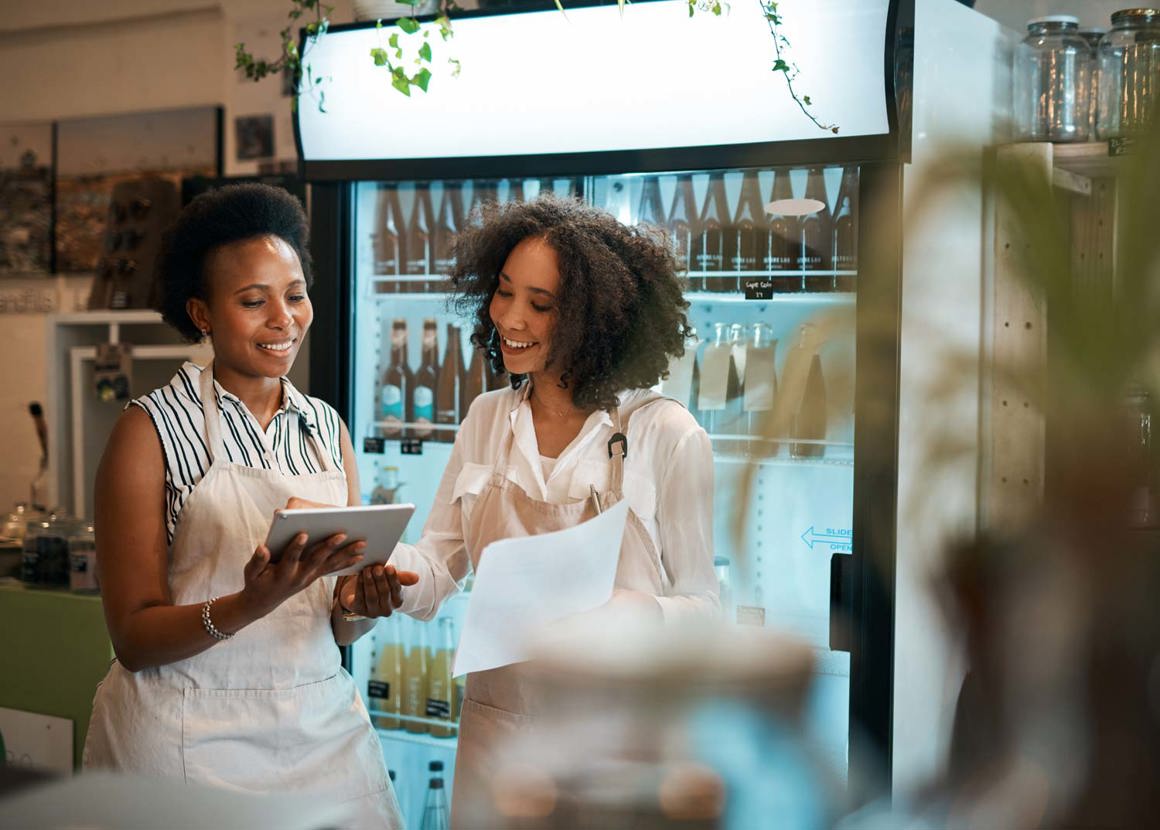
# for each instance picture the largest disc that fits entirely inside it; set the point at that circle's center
(213, 428)
(618, 445)
(212, 414)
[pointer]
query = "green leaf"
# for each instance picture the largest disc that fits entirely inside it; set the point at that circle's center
(401, 83)
(379, 23)
(806, 100)
(380, 56)
(455, 67)
(780, 66)
(425, 52)
(409, 25)
(422, 78)
(393, 40)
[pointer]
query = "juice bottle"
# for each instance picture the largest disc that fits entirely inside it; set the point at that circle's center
(426, 380)
(395, 389)
(449, 391)
(385, 689)
(439, 686)
(415, 678)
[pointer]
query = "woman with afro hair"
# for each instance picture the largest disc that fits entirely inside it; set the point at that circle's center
(583, 315)
(228, 669)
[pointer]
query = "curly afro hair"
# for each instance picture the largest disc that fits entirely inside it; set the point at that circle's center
(232, 213)
(621, 306)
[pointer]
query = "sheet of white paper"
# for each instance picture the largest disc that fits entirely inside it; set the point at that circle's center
(527, 583)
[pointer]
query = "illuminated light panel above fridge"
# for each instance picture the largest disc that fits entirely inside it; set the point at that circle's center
(596, 80)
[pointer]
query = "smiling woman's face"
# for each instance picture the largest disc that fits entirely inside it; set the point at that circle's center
(257, 309)
(523, 307)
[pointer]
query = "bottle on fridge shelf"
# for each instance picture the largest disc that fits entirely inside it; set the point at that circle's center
(709, 244)
(449, 392)
(415, 677)
(387, 485)
(385, 688)
(483, 193)
(573, 188)
(784, 238)
(733, 418)
(845, 256)
(681, 227)
(440, 690)
(546, 186)
(435, 812)
(795, 373)
(650, 210)
(810, 423)
(443, 237)
(425, 382)
(474, 381)
(712, 394)
(458, 692)
(760, 389)
(682, 374)
(418, 245)
(817, 237)
(387, 247)
(395, 390)
(515, 190)
(749, 244)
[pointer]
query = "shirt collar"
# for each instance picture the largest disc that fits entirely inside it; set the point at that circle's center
(292, 400)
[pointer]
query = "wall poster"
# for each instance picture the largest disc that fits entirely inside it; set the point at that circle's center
(25, 199)
(94, 154)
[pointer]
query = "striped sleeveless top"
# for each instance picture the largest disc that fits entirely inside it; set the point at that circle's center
(180, 423)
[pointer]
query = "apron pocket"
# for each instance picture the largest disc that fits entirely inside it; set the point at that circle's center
(310, 738)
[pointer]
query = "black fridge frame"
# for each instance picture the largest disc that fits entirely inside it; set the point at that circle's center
(871, 582)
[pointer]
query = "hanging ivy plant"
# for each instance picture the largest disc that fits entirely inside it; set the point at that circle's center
(406, 53)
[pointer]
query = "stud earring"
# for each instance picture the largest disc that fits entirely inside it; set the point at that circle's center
(205, 332)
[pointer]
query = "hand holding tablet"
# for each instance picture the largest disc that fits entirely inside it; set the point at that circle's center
(379, 525)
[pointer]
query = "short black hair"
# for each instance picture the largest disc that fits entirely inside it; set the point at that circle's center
(232, 213)
(621, 306)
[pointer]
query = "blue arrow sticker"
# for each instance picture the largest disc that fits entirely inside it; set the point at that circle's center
(838, 539)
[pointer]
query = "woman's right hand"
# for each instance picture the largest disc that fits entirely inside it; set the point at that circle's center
(269, 584)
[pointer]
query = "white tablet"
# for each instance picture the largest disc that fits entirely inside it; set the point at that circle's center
(379, 525)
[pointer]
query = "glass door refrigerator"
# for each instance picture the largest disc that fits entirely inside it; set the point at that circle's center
(815, 296)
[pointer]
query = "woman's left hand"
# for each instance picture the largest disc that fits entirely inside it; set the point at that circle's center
(376, 591)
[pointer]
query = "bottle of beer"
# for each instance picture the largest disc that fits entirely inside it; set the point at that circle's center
(846, 230)
(784, 239)
(425, 382)
(449, 392)
(418, 245)
(395, 391)
(651, 211)
(573, 188)
(386, 241)
(547, 187)
(443, 238)
(817, 237)
(681, 228)
(515, 192)
(810, 422)
(710, 244)
(483, 193)
(750, 243)
(440, 690)
(474, 382)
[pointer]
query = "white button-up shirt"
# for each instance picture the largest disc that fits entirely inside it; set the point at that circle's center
(668, 482)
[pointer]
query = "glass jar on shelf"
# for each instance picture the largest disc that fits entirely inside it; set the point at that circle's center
(1052, 81)
(1129, 68)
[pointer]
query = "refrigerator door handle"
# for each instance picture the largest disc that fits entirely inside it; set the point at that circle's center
(841, 601)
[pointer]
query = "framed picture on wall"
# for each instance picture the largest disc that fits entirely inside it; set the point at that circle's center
(25, 199)
(94, 155)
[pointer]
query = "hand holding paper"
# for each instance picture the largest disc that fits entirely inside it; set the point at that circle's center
(527, 583)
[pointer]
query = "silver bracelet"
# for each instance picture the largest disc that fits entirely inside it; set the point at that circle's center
(210, 628)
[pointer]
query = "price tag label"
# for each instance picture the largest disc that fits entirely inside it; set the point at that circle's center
(758, 289)
(374, 445)
(411, 446)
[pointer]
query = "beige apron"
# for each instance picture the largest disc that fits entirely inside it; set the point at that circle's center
(499, 703)
(270, 710)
